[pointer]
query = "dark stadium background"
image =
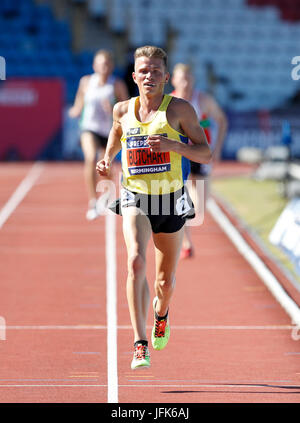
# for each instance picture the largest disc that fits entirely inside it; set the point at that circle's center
(243, 52)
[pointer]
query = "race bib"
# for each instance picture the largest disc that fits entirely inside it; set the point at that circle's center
(141, 160)
(127, 198)
(182, 205)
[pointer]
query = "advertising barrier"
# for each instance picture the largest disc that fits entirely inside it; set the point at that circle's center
(31, 117)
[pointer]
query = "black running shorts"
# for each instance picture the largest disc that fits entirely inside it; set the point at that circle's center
(167, 212)
(199, 169)
(100, 139)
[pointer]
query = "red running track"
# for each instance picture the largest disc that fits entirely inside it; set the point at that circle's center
(230, 339)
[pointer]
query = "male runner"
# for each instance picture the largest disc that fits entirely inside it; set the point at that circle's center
(153, 131)
(207, 110)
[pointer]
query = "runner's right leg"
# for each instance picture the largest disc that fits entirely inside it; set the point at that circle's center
(89, 148)
(137, 231)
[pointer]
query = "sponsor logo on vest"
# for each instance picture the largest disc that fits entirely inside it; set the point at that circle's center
(134, 131)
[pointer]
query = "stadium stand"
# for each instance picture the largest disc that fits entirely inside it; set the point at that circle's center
(289, 9)
(247, 45)
(36, 44)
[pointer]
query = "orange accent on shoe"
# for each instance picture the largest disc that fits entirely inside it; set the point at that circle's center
(160, 327)
(140, 351)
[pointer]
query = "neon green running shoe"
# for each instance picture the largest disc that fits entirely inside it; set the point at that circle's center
(141, 357)
(161, 330)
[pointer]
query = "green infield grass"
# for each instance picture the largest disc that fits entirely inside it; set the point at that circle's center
(258, 205)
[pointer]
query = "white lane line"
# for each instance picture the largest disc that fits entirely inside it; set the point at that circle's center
(246, 386)
(21, 192)
(53, 250)
(52, 386)
(285, 388)
(264, 273)
(111, 308)
(128, 327)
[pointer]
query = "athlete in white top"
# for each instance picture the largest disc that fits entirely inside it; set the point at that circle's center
(96, 95)
(207, 109)
(98, 101)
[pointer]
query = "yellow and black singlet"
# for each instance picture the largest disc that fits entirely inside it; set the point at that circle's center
(148, 172)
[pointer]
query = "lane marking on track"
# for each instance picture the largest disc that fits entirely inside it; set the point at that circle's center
(21, 192)
(51, 250)
(222, 386)
(127, 327)
(111, 308)
(84, 376)
(263, 272)
(246, 386)
(292, 353)
(53, 386)
(43, 380)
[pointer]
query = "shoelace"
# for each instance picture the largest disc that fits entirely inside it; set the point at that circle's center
(140, 352)
(160, 327)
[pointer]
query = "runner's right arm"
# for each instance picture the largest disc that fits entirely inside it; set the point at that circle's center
(114, 139)
(77, 107)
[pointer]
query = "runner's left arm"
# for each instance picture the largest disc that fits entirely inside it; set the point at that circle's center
(199, 151)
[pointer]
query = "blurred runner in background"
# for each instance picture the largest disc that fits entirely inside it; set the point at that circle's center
(207, 109)
(96, 95)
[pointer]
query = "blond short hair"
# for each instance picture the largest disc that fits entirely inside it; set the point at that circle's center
(151, 51)
(183, 67)
(105, 53)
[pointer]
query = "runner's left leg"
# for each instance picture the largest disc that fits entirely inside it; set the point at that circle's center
(167, 251)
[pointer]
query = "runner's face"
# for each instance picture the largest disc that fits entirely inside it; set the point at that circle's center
(102, 65)
(182, 79)
(150, 75)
